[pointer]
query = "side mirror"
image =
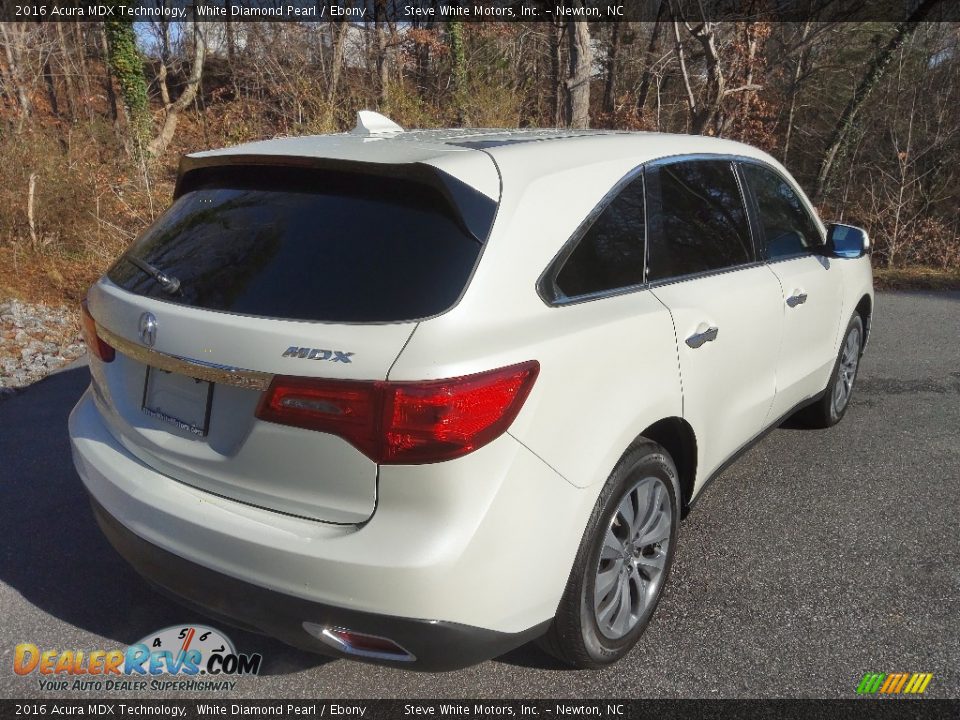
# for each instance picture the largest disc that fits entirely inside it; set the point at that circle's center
(847, 241)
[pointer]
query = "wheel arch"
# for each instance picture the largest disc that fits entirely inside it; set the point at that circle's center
(677, 437)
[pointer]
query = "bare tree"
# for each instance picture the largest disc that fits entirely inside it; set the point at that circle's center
(610, 84)
(875, 70)
(173, 109)
(580, 73)
(13, 45)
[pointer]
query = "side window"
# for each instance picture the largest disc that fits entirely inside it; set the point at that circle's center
(785, 223)
(609, 256)
(696, 220)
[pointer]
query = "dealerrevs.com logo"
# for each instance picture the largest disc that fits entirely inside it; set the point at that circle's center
(180, 657)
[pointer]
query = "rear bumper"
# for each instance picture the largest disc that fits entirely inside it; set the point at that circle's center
(450, 545)
(434, 645)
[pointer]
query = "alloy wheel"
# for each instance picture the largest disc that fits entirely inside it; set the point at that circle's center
(847, 372)
(633, 557)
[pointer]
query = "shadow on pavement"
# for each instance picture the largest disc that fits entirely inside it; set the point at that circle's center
(54, 554)
(531, 656)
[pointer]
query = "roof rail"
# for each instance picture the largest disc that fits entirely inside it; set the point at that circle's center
(372, 123)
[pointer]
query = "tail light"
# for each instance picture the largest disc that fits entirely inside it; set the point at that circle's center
(404, 423)
(94, 344)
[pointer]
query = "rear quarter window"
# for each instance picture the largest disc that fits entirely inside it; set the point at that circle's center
(609, 256)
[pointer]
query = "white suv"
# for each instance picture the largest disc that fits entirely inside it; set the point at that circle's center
(421, 397)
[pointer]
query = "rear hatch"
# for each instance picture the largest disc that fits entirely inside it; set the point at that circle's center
(260, 271)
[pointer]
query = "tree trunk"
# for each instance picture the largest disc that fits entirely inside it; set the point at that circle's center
(231, 43)
(556, 44)
(681, 59)
(31, 222)
(66, 67)
(610, 86)
(871, 78)
(339, 31)
(126, 67)
(710, 108)
(10, 33)
(578, 79)
(79, 40)
(458, 69)
(650, 58)
(383, 63)
(51, 85)
(794, 92)
(159, 144)
(164, 62)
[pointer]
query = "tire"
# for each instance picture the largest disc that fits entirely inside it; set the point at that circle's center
(589, 631)
(831, 408)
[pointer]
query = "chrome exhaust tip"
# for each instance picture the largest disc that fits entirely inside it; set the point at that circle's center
(360, 644)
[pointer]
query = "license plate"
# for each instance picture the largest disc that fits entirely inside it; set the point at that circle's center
(178, 400)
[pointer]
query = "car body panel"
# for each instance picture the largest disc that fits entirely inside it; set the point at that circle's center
(287, 469)
(473, 540)
(807, 348)
(426, 552)
(728, 383)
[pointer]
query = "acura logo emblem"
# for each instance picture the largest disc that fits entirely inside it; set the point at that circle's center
(148, 329)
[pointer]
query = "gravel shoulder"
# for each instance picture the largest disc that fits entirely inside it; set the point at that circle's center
(35, 340)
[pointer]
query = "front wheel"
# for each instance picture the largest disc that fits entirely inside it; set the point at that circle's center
(829, 410)
(623, 562)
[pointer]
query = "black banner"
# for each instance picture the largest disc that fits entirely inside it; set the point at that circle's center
(426, 11)
(612, 709)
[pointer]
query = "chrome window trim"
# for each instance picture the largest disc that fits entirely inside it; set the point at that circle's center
(653, 285)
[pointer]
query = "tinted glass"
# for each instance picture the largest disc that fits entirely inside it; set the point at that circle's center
(696, 221)
(610, 254)
(785, 223)
(307, 245)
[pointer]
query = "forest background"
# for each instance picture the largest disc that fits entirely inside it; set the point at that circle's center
(95, 116)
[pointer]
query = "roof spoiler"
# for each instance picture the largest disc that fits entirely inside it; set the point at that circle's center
(473, 210)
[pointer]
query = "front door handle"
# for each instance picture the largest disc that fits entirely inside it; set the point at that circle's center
(798, 298)
(698, 339)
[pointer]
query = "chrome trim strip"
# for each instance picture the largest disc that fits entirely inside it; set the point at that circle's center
(220, 374)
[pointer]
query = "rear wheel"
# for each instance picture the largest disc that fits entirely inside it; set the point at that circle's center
(623, 562)
(829, 410)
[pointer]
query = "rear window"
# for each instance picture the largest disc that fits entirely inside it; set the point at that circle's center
(308, 244)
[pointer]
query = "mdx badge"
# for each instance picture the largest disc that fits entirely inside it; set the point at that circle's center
(305, 353)
(148, 329)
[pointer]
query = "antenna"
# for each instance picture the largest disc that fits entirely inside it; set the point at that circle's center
(373, 123)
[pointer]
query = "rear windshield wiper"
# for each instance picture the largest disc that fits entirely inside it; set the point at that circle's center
(169, 283)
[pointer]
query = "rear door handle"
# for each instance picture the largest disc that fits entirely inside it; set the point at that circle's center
(798, 298)
(698, 339)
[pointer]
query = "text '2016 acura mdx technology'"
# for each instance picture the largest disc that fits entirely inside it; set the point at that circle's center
(421, 397)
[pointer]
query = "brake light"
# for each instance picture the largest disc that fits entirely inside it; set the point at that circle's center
(404, 423)
(94, 344)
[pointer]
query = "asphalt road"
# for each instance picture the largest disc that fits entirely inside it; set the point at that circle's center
(819, 556)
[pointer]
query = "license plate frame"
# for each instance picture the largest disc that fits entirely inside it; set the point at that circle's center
(170, 398)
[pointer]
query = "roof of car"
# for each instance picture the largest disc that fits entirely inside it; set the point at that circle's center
(466, 153)
(424, 145)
